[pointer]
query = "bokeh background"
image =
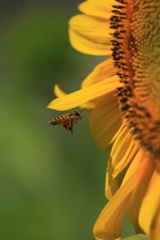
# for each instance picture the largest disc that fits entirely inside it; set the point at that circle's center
(51, 182)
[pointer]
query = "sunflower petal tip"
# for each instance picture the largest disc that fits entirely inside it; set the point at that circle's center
(55, 87)
(58, 91)
(48, 106)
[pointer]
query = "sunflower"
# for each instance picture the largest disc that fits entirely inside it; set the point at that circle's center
(123, 95)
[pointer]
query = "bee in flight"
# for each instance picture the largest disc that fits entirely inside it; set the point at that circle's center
(68, 120)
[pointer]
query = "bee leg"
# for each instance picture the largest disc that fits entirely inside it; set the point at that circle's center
(65, 126)
(68, 126)
(71, 127)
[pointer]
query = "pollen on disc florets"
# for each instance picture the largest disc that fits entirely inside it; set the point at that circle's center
(136, 53)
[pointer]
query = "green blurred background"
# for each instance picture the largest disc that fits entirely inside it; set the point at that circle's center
(51, 182)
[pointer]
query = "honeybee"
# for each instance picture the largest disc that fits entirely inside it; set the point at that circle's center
(68, 120)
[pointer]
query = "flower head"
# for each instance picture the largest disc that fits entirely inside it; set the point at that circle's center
(123, 95)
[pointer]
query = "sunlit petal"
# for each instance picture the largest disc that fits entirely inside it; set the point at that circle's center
(104, 70)
(105, 120)
(83, 95)
(150, 203)
(123, 151)
(88, 36)
(58, 91)
(101, 9)
(109, 223)
(137, 195)
(157, 231)
(112, 185)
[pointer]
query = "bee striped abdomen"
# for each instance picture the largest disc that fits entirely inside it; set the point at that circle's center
(58, 120)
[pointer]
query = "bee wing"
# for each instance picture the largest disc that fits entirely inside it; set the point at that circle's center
(69, 114)
(82, 117)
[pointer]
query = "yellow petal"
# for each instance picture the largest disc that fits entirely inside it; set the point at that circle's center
(137, 161)
(105, 120)
(123, 151)
(117, 166)
(103, 71)
(157, 231)
(138, 194)
(112, 185)
(84, 95)
(101, 9)
(58, 91)
(87, 106)
(109, 223)
(150, 204)
(90, 35)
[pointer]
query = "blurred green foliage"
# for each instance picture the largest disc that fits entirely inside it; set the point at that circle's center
(52, 182)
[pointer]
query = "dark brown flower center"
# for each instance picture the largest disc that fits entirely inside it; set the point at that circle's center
(136, 52)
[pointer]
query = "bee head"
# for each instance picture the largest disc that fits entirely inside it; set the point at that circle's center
(77, 113)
